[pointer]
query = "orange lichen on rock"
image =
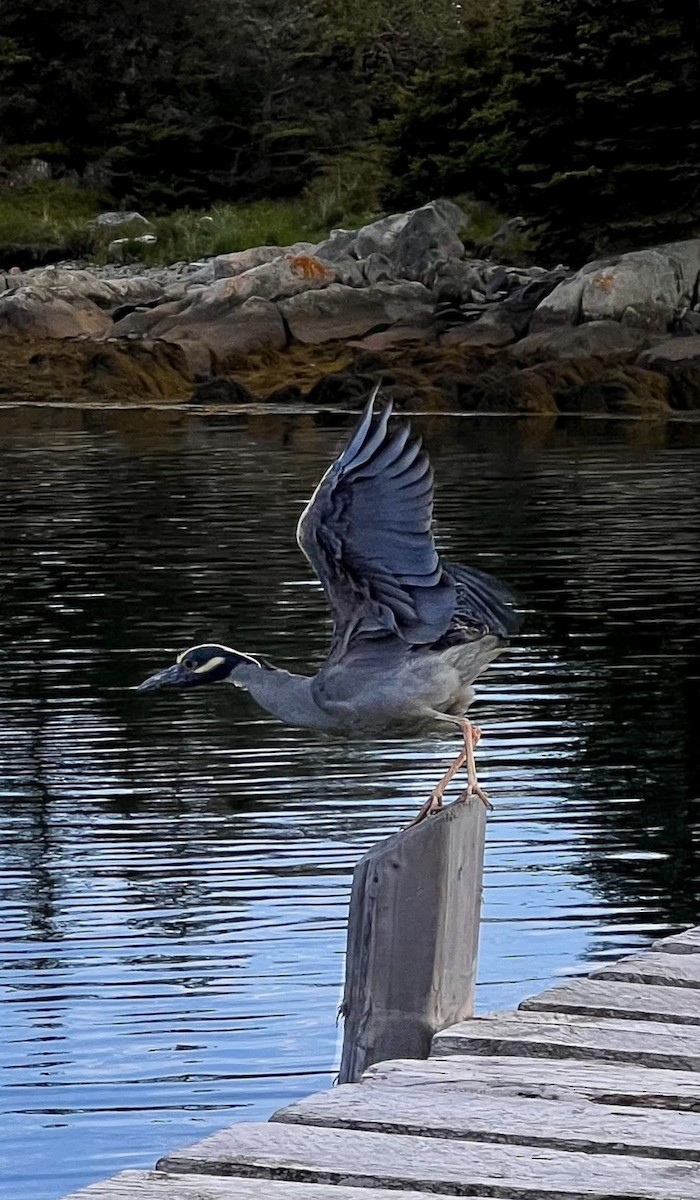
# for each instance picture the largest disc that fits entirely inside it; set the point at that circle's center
(309, 267)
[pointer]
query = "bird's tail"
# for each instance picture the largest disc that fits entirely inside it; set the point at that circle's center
(484, 600)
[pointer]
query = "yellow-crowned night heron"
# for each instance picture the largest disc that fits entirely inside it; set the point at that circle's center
(410, 632)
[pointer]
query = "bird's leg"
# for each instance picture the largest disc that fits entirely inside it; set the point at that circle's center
(434, 801)
(474, 788)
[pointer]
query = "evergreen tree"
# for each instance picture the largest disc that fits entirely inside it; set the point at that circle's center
(586, 121)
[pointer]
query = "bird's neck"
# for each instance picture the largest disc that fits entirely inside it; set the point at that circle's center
(287, 697)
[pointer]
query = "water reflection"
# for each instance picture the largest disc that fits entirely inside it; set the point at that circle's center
(175, 870)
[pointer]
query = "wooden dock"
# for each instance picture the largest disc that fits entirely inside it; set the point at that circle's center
(590, 1091)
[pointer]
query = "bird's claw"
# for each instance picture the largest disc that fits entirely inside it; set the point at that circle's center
(475, 789)
(432, 805)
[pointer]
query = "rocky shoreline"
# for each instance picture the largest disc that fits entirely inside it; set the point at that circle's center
(318, 324)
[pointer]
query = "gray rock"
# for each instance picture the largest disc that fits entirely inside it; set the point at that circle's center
(282, 277)
(226, 266)
(455, 280)
(429, 237)
(377, 268)
(337, 245)
(34, 170)
(301, 248)
(380, 236)
(106, 292)
(350, 272)
(672, 353)
(341, 312)
(594, 339)
(225, 330)
(386, 339)
(647, 289)
(415, 241)
(114, 220)
(493, 329)
(38, 312)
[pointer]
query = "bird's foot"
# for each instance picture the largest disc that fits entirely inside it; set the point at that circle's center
(475, 789)
(432, 805)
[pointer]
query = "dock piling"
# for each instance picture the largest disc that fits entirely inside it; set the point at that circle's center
(413, 935)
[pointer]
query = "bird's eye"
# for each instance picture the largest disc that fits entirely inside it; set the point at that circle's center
(189, 663)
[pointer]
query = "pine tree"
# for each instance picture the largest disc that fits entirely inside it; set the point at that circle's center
(585, 119)
(606, 114)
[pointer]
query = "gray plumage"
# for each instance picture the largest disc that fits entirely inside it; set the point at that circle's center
(410, 632)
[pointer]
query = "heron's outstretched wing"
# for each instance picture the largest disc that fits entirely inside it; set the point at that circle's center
(367, 533)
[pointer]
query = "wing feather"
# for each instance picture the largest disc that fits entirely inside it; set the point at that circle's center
(367, 533)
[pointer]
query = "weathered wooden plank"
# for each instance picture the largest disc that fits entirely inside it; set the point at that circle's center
(566, 1125)
(159, 1185)
(555, 1035)
(413, 933)
(656, 967)
(298, 1152)
(607, 998)
(687, 942)
(606, 1083)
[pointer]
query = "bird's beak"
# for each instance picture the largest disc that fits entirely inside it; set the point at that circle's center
(175, 676)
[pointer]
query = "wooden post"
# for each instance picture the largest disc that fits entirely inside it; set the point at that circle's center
(413, 934)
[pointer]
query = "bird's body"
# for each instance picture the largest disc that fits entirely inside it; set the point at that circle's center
(411, 633)
(415, 694)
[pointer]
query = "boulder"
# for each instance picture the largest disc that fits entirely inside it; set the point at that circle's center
(678, 359)
(224, 316)
(107, 293)
(415, 242)
(386, 339)
(339, 312)
(34, 170)
(115, 220)
(233, 334)
(274, 280)
(671, 353)
(337, 245)
(40, 313)
(225, 266)
(455, 280)
(647, 289)
(600, 338)
(493, 329)
(379, 237)
(429, 237)
(350, 272)
(377, 268)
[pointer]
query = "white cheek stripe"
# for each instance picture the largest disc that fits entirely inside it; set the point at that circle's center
(210, 665)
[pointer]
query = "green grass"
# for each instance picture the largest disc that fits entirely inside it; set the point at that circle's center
(53, 215)
(345, 192)
(45, 215)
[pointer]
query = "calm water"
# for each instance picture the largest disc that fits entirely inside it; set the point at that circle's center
(174, 870)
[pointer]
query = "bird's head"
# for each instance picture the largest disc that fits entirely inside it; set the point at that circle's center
(199, 665)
